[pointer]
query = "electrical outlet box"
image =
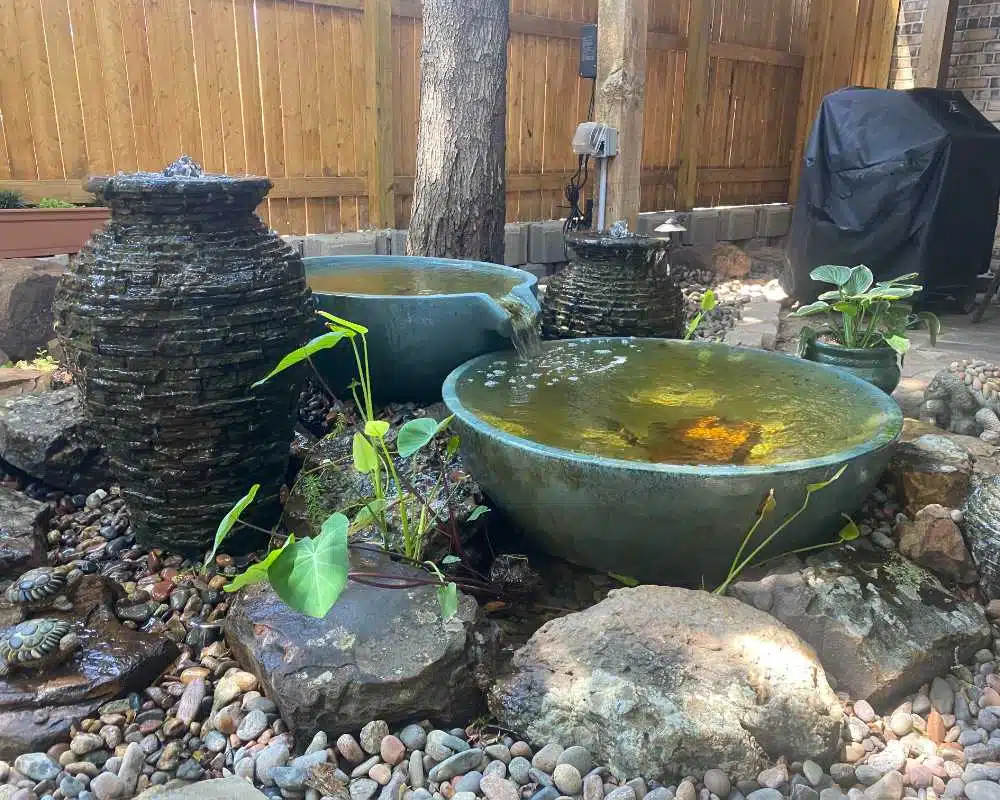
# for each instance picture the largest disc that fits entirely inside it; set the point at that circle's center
(595, 139)
(588, 51)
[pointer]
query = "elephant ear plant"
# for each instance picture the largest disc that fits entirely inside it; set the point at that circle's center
(864, 314)
(309, 574)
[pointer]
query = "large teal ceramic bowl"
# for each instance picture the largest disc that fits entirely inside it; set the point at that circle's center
(425, 316)
(667, 522)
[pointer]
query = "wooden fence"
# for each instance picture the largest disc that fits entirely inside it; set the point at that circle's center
(288, 88)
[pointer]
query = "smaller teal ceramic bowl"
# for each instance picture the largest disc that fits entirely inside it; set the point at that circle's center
(425, 316)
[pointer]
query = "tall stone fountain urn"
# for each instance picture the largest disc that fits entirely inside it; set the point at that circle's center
(167, 316)
(616, 284)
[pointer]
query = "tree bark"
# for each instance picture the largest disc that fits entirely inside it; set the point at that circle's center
(459, 197)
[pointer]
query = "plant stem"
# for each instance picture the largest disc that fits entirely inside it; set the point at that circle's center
(319, 377)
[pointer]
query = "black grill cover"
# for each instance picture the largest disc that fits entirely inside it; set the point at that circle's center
(900, 181)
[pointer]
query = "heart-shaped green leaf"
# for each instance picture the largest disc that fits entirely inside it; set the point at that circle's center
(819, 307)
(708, 300)
(322, 342)
(311, 574)
(898, 343)
(414, 435)
(859, 282)
(257, 573)
(850, 531)
(365, 457)
(838, 276)
(229, 520)
(377, 428)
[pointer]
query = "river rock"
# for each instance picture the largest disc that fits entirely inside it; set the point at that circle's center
(881, 625)
(934, 541)
(931, 469)
(659, 680)
(113, 660)
(377, 655)
(27, 288)
(45, 435)
(22, 532)
(233, 788)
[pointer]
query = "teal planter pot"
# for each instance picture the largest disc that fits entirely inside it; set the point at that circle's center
(878, 366)
(666, 522)
(415, 340)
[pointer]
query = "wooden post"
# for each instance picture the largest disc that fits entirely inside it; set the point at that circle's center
(378, 123)
(935, 43)
(695, 102)
(621, 99)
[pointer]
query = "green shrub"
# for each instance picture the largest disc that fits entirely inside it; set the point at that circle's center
(53, 202)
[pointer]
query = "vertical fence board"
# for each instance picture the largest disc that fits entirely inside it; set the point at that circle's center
(279, 87)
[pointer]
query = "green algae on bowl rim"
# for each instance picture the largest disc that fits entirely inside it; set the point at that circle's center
(684, 432)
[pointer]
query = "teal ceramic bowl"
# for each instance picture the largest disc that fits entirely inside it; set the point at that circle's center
(415, 340)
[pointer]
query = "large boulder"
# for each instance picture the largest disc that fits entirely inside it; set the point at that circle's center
(379, 654)
(931, 469)
(15, 381)
(27, 287)
(982, 531)
(661, 681)
(37, 710)
(45, 435)
(22, 532)
(881, 625)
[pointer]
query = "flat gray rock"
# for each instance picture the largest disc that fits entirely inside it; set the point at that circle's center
(45, 435)
(22, 532)
(220, 789)
(881, 625)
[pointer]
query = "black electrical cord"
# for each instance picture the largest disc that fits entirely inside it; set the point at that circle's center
(577, 217)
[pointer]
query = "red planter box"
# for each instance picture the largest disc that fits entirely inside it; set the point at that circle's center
(31, 232)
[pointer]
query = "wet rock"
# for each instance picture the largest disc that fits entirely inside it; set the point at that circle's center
(882, 626)
(22, 532)
(376, 655)
(45, 435)
(659, 680)
(935, 542)
(206, 307)
(931, 469)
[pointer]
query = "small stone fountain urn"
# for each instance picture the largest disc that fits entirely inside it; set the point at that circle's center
(616, 284)
(167, 316)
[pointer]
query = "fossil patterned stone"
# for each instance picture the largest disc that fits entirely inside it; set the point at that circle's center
(613, 286)
(36, 644)
(167, 316)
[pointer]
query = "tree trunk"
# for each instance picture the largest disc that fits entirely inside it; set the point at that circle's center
(459, 200)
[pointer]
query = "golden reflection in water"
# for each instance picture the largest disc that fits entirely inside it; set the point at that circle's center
(672, 404)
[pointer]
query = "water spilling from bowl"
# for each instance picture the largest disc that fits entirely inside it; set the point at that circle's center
(654, 401)
(404, 281)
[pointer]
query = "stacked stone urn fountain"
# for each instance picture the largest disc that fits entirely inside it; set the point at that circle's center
(168, 315)
(616, 284)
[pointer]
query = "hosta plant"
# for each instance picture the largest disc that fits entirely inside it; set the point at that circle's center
(862, 314)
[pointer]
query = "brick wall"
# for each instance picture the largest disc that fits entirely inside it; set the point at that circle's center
(975, 57)
(907, 50)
